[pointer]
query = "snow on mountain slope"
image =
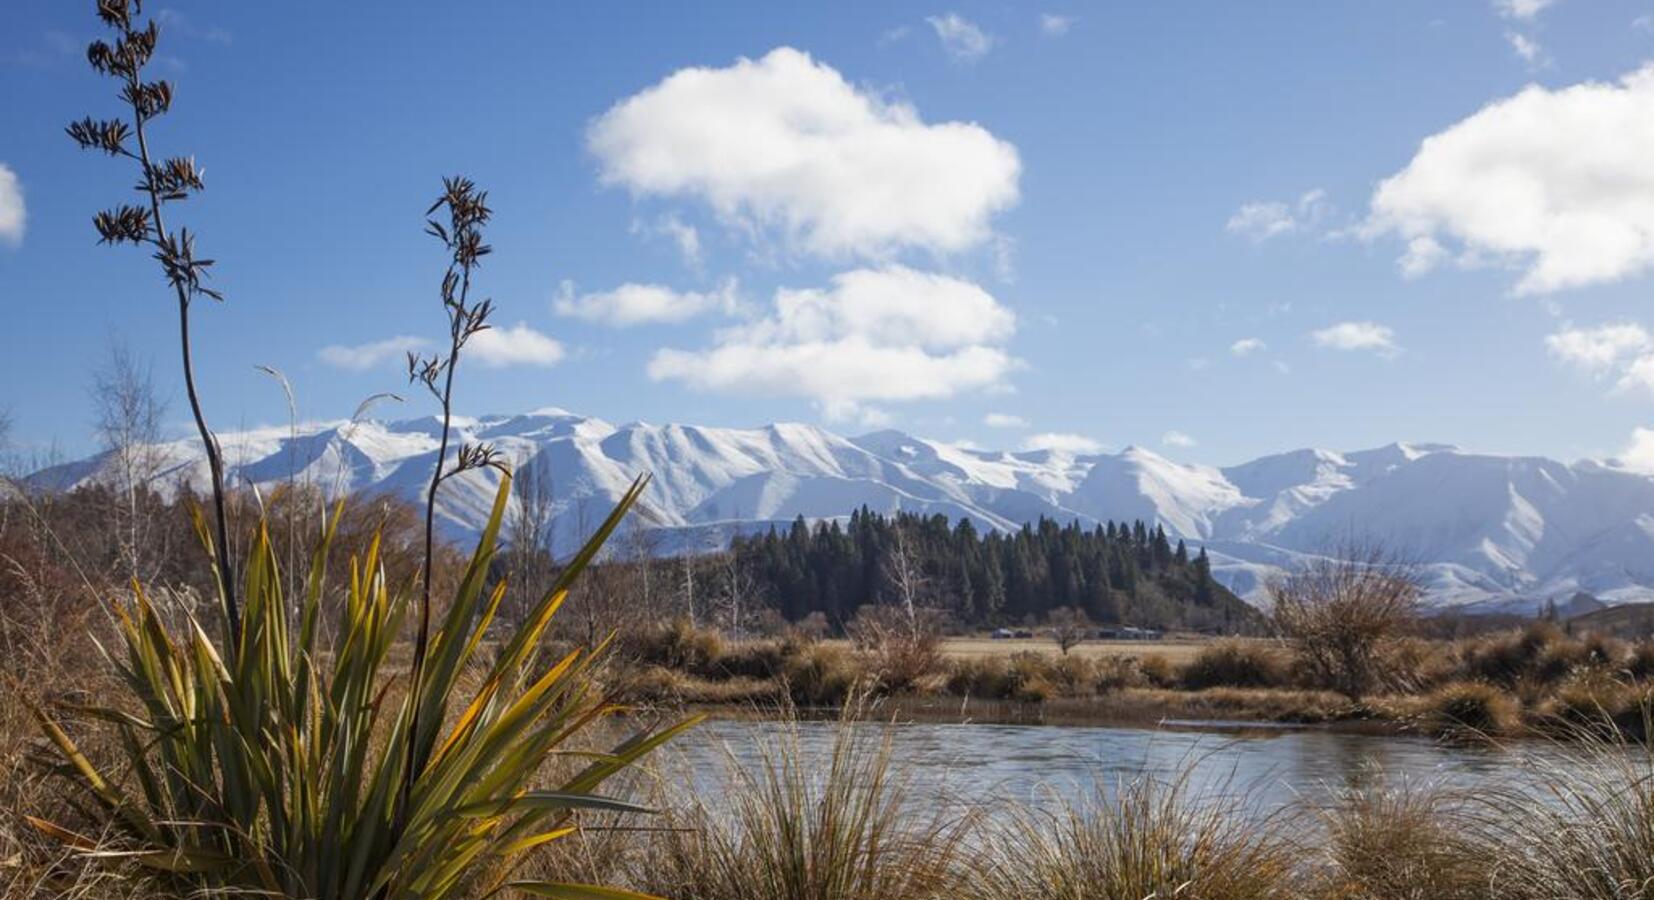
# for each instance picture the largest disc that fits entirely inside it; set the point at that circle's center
(1488, 531)
(1140, 484)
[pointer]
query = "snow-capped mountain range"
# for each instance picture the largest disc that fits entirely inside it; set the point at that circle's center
(1492, 532)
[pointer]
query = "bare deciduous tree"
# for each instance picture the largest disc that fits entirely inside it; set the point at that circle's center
(8, 490)
(686, 588)
(906, 575)
(1069, 627)
(128, 416)
(902, 650)
(529, 543)
(5, 439)
(590, 611)
(638, 545)
(1340, 611)
(813, 627)
(738, 595)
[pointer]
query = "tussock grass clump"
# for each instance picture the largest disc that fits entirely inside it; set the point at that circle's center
(1114, 673)
(1405, 843)
(1508, 658)
(1233, 662)
(1158, 671)
(1024, 675)
(987, 677)
(1036, 689)
(1152, 839)
(656, 685)
(1031, 677)
(1539, 655)
(1415, 665)
(1269, 704)
(677, 645)
(1034, 677)
(1073, 676)
(1585, 830)
(1600, 704)
(794, 826)
(1466, 711)
(755, 659)
(1639, 661)
(901, 662)
(822, 675)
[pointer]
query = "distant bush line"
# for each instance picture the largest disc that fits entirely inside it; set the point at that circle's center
(1535, 680)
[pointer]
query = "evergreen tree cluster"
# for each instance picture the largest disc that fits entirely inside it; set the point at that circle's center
(1115, 573)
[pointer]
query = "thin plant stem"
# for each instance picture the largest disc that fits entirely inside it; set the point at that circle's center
(215, 461)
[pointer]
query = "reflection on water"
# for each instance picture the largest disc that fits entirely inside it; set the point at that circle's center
(1272, 768)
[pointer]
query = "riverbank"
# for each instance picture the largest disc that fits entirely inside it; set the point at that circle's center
(1219, 709)
(791, 809)
(1533, 681)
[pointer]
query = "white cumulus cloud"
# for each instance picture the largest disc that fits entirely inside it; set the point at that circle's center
(494, 348)
(515, 345)
(1004, 420)
(784, 146)
(888, 334)
(1599, 350)
(1558, 183)
(687, 237)
(961, 37)
(1264, 219)
(1055, 25)
(1247, 346)
(1521, 9)
(1380, 339)
(1622, 350)
(1061, 442)
(1423, 254)
(1261, 221)
(361, 357)
(11, 207)
(639, 304)
(1177, 439)
(1639, 373)
(1639, 454)
(1525, 47)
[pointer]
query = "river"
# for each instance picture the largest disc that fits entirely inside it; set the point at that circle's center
(1269, 767)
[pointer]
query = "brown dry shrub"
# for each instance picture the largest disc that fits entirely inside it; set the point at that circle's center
(1235, 662)
(1467, 711)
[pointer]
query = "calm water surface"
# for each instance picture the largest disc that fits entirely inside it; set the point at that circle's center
(1271, 768)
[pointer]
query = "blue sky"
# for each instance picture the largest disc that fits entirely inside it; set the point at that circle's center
(1214, 229)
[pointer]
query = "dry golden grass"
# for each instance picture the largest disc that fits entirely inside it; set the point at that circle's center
(1405, 842)
(793, 825)
(1177, 650)
(844, 829)
(1150, 839)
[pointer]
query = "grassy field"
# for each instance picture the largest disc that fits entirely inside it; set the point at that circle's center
(1176, 650)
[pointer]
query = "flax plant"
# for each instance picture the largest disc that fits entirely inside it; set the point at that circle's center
(160, 184)
(279, 772)
(468, 212)
(267, 763)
